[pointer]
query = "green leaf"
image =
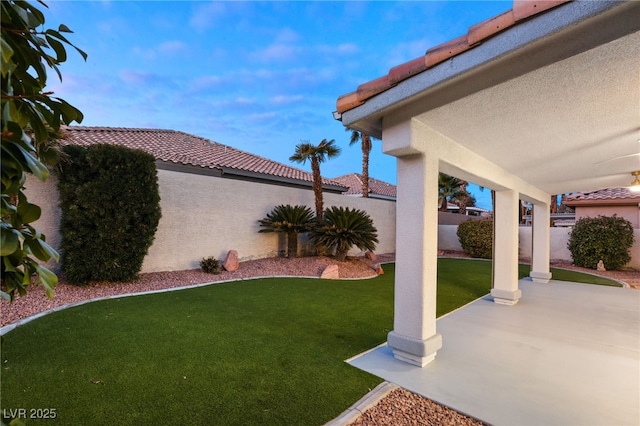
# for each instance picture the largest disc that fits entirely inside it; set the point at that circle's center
(9, 240)
(7, 53)
(42, 250)
(29, 212)
(47, 278)
(64, 29)
(61, 53)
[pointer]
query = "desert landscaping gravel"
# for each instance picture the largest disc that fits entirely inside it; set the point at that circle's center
(399, 407)
(36, 301)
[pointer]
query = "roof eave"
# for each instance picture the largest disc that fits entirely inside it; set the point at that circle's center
(232, 173)
(501, 57)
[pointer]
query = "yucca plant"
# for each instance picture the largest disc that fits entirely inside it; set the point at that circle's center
(343, 228)
(290, 220)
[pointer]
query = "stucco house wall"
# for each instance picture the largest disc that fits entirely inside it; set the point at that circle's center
(630, 213)
(206, 216)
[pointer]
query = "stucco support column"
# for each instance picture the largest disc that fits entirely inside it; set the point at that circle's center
(505, 248)
(414, 338)
(540, 271)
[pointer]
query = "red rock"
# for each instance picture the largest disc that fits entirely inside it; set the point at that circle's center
(371, 256)
(231, 263)
(330, 273)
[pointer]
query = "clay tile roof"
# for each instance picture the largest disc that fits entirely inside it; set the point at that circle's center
(353, 181)
(522, 9)
(609, 194)
(182, 148)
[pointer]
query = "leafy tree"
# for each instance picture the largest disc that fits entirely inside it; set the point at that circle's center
(30, 118)
(365, 146)
(344, 228)
(450, 189)
(316, 154)
(290, 220)
(601, 238)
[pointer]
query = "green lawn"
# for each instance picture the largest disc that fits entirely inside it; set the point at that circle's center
(264, 351)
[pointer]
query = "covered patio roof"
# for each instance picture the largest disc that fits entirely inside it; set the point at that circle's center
(548, 91)
(540, 100)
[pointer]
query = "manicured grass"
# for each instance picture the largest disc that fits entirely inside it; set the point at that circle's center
(265, 351)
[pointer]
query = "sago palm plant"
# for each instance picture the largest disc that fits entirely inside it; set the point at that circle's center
(290, 220)
(344, 228)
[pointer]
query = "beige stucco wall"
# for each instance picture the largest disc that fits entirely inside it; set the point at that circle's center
(45, 195)
(206, 216)
(448, 238)
(558, 238)
(630, 213)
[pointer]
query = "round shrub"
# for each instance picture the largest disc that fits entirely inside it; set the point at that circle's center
(110, 207)
(601, 238)
(476, 238)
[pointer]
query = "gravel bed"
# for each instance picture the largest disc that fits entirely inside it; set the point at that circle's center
(35, 300)
(401, 407)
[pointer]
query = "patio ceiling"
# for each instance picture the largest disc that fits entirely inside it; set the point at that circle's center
(554, 100)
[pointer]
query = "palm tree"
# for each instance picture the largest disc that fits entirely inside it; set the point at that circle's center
(316, 154)
(449, 189)
(463, 202)
(553, 207)
(290, 220)
(343, 228)
(366, 149)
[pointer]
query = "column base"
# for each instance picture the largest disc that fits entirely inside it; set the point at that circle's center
(414, 351)
(506, 297)
(540, 277)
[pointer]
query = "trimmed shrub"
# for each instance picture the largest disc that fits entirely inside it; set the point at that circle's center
(341, 228)
(110, 212)
(210, 265)
(601, 238)
(476, 238)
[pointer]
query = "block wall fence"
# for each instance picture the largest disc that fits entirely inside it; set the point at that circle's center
(206, 216)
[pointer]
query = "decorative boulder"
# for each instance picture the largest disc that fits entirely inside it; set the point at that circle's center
(231, 263)
(371, 256)
(379, 269)
(330, 273)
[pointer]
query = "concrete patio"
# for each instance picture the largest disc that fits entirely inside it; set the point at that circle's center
(566, 354)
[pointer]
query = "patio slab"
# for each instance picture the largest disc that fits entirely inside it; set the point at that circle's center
(566, 354)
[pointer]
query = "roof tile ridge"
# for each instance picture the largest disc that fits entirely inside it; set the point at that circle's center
(476, 34)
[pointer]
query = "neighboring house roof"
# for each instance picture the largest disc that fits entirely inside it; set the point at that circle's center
(609, 196)
(452, 206)
(182, 149)
(377, 188)
(476, 34)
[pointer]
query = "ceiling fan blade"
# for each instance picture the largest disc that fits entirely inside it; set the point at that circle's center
(618, 158)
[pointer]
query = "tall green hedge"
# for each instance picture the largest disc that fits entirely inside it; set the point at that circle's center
(476, 237)
(601, 238)
(110, 212)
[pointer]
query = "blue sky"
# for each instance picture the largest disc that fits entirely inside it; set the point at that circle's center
(259, 76)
